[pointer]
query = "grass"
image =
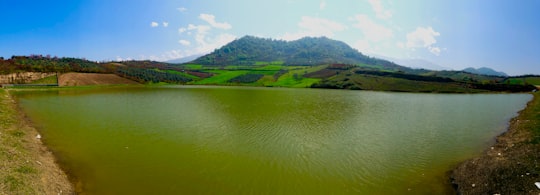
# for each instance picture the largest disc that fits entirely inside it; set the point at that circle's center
(528, 80)
(25, 167)
(182, 74)
(193, 66)
(270, 67)
(16, 174)
(221, 77)
(532, 116)
(47, 80)
(294, 78)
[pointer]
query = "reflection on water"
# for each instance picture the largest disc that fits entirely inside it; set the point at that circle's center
(215, 140)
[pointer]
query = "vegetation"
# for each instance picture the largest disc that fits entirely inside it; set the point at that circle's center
(26, 167)
(47, 80)
(150, 75)
(485, 71)
(246, 78)
(250, 50)
(308, 62)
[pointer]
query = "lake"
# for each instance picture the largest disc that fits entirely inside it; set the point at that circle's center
(244, 140)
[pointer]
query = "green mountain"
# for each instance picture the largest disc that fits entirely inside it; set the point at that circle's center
(251, 50)
(485, 71)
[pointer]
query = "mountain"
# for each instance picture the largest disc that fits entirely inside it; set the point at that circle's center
(414, 63)
(183, 60)
(485, 71)
(250, 50)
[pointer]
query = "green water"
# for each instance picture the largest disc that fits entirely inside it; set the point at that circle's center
(240, 140)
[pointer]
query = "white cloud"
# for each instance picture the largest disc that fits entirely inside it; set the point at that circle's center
(199, 38)
(120, 59)
(372, 31)
(315, 27)
(435, 50)
(362, 46)
(154, 24)
(181, 9)
(211, 19)
(208, 44)
(379, 10)
(184, 42)
(322, 5)
(165, 24)
(201, 29)
(423, 37)
(182, 30)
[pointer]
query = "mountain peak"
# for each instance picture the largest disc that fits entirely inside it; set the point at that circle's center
(249, 50)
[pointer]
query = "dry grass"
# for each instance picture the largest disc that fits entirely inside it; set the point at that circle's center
(27, 167)
(79, 79)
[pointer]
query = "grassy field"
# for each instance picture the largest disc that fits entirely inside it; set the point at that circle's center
(294, 78)
(182, 74)
(361, 76)
(371, 82)
(47, 80)
(26, 165)
(528, 80)
(221, 78)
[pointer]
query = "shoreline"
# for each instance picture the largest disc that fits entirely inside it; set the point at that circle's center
(504, 168)
(28, 166)
(511, 164)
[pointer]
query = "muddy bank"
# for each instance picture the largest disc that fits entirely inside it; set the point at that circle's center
(28, 167)
(511, 165)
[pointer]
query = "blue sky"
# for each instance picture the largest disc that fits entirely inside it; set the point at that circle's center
(501, 34)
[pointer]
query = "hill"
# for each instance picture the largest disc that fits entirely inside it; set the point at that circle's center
(250, 50)
(183, 60)
(308, 62)
(485, 71)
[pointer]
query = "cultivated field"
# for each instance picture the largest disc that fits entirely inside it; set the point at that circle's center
(78, 79)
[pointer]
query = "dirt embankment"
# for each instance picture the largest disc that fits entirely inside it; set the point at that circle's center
(511, 166)
(78, 79)
(26, 165)
(23, 77)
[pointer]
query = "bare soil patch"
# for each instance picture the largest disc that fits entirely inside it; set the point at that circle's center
(79, 79)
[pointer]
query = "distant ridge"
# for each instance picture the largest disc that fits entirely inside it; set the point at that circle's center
(250, 50)
(183, 60)
(485, 71)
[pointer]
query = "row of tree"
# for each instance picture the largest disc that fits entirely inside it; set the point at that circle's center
(141, 71)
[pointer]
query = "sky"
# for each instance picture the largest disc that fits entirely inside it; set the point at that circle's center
(500, 34)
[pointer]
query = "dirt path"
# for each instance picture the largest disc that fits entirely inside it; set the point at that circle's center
(512, 165)
(27, 166)
(78, 79)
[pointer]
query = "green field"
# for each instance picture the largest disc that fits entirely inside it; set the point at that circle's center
(47, 80)
(294, 78)
(182, 74)
(524, 80)
(222, 77)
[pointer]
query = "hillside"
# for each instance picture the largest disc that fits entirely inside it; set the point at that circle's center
(485, 71)
(308, 62)
(251, 50)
